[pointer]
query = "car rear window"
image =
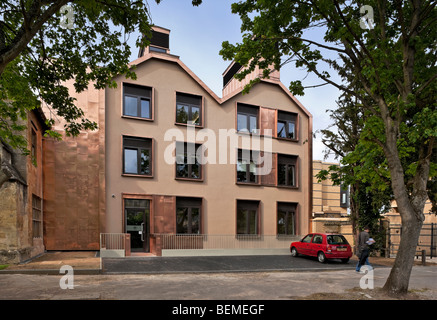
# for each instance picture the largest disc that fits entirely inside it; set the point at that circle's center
(336, 239)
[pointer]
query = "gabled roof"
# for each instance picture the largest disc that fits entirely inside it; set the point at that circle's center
(175, 59)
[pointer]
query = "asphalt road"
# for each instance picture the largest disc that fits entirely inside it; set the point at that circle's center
(264, 263)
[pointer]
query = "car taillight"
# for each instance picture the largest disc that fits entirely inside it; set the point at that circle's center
(331, 248)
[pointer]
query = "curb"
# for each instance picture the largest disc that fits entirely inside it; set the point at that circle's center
(51, 271)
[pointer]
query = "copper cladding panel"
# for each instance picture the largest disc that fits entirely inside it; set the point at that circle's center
(74, 187)
(268, 120)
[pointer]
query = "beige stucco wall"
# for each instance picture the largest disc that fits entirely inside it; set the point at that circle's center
(218, 189)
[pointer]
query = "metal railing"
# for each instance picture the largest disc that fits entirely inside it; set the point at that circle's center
(242, 241)
(112, 241)
(427, 239)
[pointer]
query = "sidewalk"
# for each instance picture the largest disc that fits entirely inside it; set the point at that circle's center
(84, 262)
(88, 262)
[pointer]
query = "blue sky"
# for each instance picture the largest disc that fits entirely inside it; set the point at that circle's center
(196, 36)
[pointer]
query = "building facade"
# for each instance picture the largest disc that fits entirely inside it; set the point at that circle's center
(161, 128)
(21, 195)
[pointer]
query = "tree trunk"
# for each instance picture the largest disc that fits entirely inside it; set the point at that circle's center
(411, 211)
(399, 278)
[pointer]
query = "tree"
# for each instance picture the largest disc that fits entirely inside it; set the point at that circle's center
(370, 192)
(42, 47)
(388, 49)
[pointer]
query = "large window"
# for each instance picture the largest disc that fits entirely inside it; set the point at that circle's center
(246, 166)
(188, 109)
(187, 164)
(137, 101)
(36, 216)
(286, 127)
(188, 213)
(287, 170)
(137, 156)
(247, 118)
(247, 217)
(286, 218)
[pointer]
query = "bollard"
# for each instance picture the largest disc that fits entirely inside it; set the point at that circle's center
(423, 258)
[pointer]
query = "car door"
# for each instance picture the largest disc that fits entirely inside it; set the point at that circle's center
(316, 245)
(305, 244)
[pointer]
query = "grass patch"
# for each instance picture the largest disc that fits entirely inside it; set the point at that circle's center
(3, 266)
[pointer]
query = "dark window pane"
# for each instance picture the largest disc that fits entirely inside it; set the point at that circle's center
(291, 178)
(182, 220)
(130, 106)
(242, 123)
(253, 124)
(241, 221)
(130, 161)
(181, 114)
(281, 130)
(291, 130)
(195, 220)
(241, 171)
(145, 108)
(281, 174)
(195, 115)
(145, 161)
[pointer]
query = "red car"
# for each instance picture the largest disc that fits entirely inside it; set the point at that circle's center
(323, 246)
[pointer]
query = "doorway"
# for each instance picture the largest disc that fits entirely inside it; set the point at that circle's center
(137, 223)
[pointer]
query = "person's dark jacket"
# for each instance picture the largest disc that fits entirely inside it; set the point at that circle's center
(363, 237)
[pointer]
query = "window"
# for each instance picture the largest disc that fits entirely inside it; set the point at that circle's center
(137, 101)
(307, 239)
(36, 216)
(318, 239)
(336, 239)
(286, 127)
(247, 118)
(187, 163)
(246, 166)
(188, 212)
(287, 170)
(137, 156)
(34, 146)
(286, 218)
(247, 217)
(188, 109)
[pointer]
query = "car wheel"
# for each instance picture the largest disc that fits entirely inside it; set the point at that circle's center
(294, 252)
(321, 257)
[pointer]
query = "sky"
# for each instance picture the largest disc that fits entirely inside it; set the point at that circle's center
(196, 36)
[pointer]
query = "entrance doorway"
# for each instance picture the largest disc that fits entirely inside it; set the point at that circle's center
(137, 223)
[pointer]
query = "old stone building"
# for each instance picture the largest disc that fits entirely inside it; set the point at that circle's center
(21, 195)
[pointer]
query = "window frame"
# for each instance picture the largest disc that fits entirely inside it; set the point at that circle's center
(289, 161)
(139, 98)
(190, 106)
(190, 165)
(139, 154)
(250, 205)
(291, 211)
(37, 222)
(248, 114)
(184, 202)
(282, 118)
(248, 172)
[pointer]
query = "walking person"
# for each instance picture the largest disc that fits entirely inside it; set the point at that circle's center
(363, 249)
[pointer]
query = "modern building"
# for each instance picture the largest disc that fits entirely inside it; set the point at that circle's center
(21, 195)
(162, 127)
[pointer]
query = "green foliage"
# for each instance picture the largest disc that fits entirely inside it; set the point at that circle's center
(90, 52)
